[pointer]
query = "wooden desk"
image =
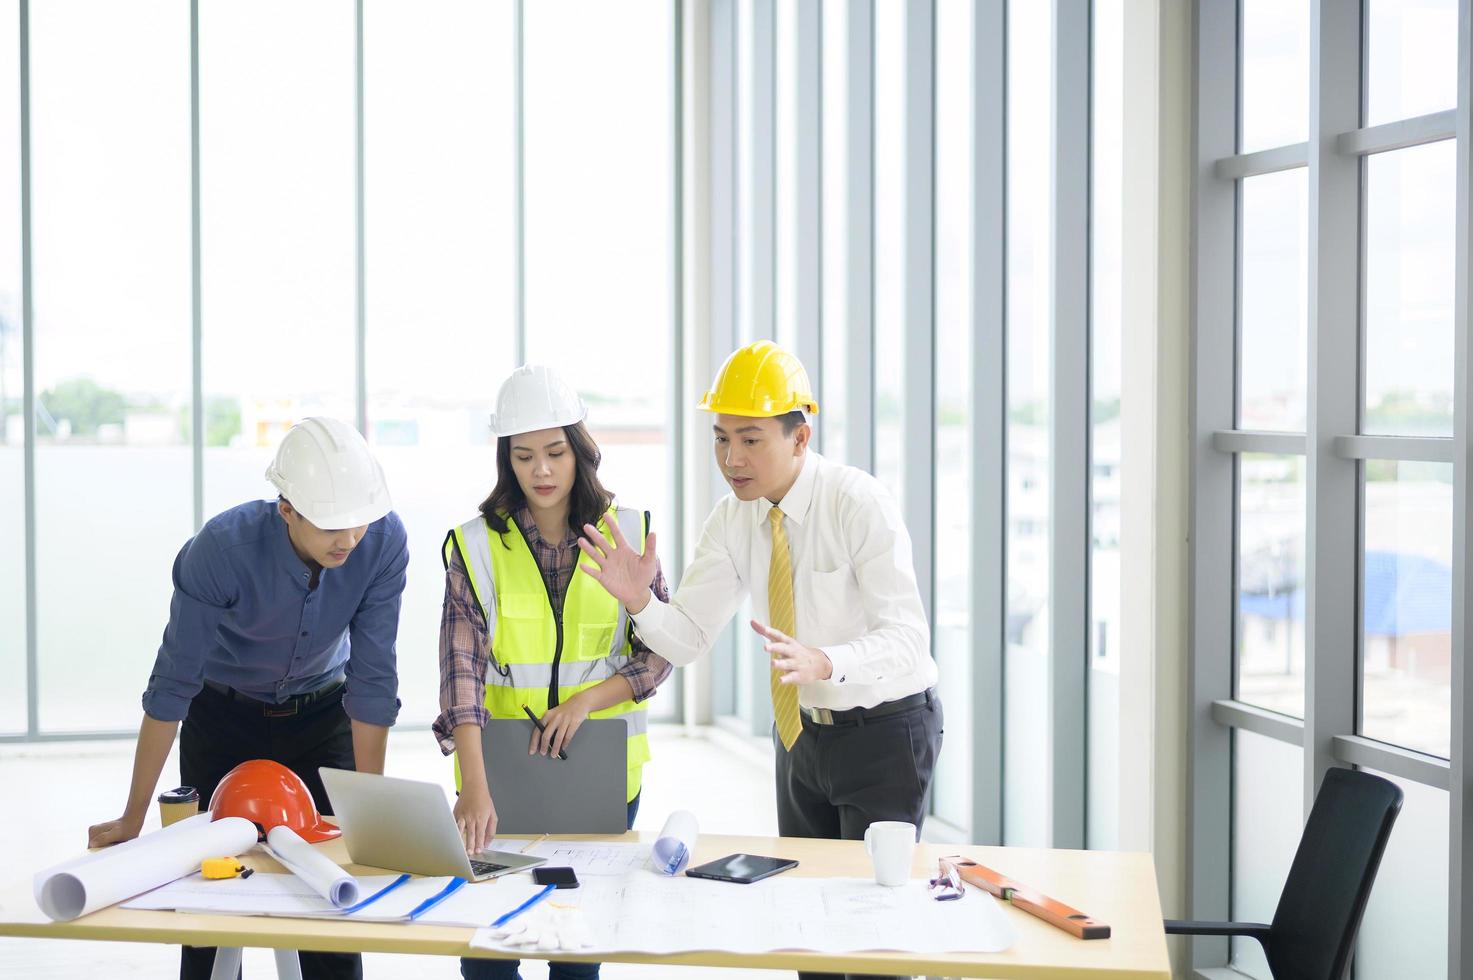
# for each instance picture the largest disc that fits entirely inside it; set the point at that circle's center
(1118, 888)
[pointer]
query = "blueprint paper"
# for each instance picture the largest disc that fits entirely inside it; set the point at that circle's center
(644, 912)
(676, 843)
(593, 859)
(286, 894)
(306, 862)
(93, 881)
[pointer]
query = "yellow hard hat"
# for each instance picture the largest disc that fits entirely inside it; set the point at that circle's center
(760, 381)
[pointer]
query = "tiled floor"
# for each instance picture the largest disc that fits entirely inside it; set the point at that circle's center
(57, 789)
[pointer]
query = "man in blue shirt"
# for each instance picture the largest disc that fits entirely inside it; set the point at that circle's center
(280, 642)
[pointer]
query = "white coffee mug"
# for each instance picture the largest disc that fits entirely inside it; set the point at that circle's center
(891, 845)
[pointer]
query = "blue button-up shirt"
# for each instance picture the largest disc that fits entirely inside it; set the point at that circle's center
(243, 615)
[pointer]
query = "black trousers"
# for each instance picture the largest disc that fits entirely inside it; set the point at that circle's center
(219, 734)
(838, 779)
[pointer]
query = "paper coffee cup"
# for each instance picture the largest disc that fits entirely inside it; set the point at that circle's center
(177, 804)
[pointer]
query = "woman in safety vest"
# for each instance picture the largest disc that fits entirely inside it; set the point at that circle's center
(561, 645)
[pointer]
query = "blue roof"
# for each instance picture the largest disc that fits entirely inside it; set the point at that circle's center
(1404, 594)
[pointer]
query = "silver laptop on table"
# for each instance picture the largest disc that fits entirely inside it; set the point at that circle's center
(538, 794)
(404, 825)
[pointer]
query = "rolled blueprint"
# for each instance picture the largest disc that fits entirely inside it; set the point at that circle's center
(93, 881)
(306, 862)
(677, 841)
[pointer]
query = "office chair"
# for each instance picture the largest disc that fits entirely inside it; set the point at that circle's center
(1313, 933)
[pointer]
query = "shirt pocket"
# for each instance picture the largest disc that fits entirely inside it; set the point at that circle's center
(828, 610)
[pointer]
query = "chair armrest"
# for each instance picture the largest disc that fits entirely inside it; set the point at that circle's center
(1188, 927)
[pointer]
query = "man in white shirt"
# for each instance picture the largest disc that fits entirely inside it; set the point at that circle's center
(825, 557)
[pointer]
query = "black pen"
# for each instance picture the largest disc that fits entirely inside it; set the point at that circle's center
(538, 722)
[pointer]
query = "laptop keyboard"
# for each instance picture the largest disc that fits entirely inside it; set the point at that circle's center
(486, 867)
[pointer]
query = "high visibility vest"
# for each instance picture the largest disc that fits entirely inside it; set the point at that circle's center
(534, 655)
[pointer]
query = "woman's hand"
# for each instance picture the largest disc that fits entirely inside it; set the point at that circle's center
(124, 828)
(475, 816)
(558, 726)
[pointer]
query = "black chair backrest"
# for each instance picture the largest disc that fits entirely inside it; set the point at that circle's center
(1313, 933)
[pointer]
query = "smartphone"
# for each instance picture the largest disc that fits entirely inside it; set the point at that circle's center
(562, 877)
(742, 868)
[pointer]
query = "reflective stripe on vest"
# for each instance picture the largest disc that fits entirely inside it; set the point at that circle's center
(523, 633)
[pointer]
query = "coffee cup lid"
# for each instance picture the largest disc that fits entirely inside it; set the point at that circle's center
(181, 794)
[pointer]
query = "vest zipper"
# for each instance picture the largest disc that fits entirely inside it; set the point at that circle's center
(557, 656)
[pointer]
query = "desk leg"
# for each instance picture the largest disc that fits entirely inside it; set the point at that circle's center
(288, 965)
(227, 963)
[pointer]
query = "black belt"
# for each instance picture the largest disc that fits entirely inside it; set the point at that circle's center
(280, 709)
(858, 716)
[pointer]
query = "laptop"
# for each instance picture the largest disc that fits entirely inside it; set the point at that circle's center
(404, 825)
(538, 794)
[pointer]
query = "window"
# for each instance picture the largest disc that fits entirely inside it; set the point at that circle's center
(12, 421)
(1270, 626)
(1409, 291)
(1274, 104)
(1272, 369)
(1412, 58)
(836, 271)
(1268, 812)
(1406, 605)
(1107, 246)
(609, 226)
(277, 231)
(111, 252)
(953, 622)
(1026, 660)
(889, 247)
(440, 241)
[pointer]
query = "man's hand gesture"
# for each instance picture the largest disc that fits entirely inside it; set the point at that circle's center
(623, 572)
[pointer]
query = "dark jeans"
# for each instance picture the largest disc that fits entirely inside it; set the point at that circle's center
(509, 969)
(839, 779)
(219, 734)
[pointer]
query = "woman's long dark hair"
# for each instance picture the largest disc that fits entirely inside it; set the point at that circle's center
(587, 502)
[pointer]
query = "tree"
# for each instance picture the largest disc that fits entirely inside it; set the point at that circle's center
(85, 403)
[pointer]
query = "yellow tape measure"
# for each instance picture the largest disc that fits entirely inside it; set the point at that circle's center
(226, 867)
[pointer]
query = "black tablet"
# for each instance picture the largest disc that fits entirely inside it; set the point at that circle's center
(742, 868)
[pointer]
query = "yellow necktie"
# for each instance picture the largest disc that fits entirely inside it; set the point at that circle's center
(782, 617)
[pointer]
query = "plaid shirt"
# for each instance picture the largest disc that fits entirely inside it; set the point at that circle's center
(463, 635)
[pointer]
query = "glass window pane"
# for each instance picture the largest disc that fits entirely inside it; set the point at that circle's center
(1270, 627)
(12, 422)
(598, 238)
(1025, 763)
(1107, 161)
(746, 251)
(440, 266)
(276, 146)
(1409, 290)
(1406, 596)
(785, 331)
(1272, 370)
(889, 248)
(110, 130)
(953, 603)
(834, 164)
(1268, 816)
(1404, 931)
(1275, 66)
(1412, 58)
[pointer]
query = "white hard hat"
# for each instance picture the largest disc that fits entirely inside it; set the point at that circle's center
(535, 398)
(324, 468)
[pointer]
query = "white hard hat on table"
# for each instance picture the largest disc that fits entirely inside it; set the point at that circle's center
(535, 398)
(324, 468)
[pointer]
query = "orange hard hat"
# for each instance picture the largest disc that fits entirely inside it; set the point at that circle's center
(268, 794)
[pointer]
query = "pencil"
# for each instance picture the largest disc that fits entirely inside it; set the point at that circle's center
(532, 844)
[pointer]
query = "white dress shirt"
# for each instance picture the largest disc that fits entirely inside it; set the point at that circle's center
(854, 586)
